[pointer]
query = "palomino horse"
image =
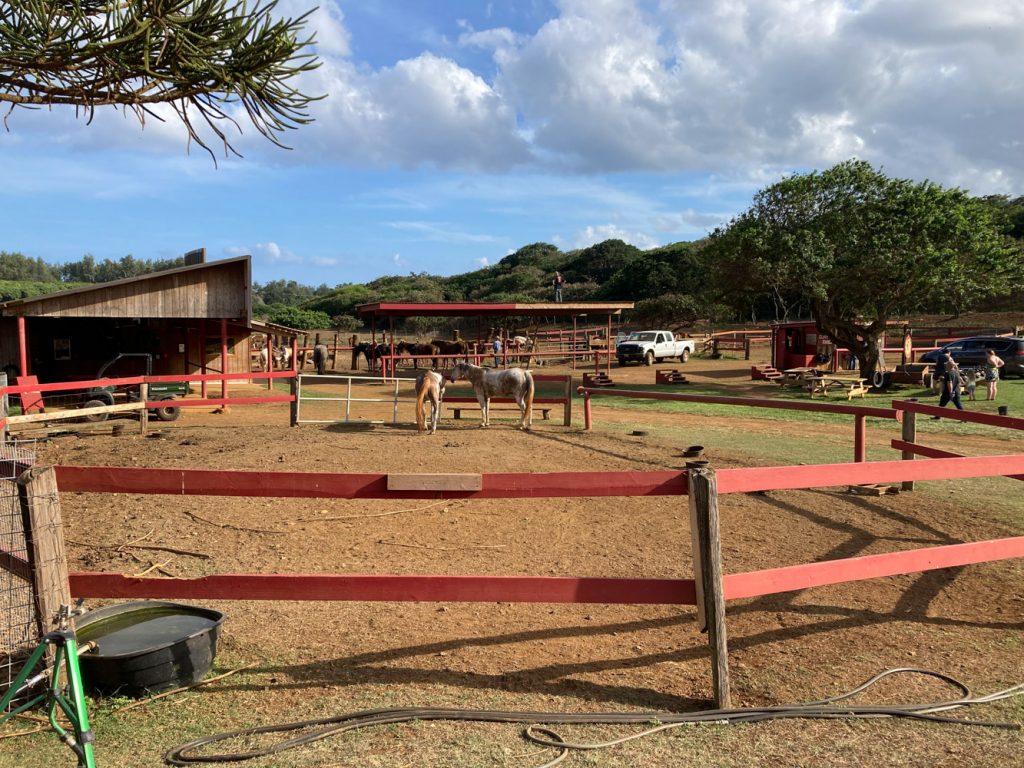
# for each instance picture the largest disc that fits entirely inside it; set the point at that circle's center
(489, 383)
(429, 386)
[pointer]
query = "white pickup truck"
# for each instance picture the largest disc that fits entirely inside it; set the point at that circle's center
(648, 347)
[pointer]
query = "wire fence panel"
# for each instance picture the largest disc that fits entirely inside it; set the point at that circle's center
(21, 622)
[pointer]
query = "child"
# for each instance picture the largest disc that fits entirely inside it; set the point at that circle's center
(971, 378)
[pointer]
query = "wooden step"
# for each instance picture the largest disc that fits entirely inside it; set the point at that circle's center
(597, 380)
(670, 376)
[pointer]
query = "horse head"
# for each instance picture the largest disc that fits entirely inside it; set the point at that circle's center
(459, 371)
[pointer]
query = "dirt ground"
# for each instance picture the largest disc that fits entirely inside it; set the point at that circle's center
(331, 657)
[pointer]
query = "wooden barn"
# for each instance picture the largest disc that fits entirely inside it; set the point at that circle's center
(183, 318)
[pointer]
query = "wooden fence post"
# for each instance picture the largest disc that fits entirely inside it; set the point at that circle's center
(44, 539)
(567, 413)
(860, 433)
(909, 436)
(144, 413)
(707, 569)
(4, 409)
(294, 404)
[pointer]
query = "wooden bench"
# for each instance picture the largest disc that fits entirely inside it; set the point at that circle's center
(852, 386)
(545, 412)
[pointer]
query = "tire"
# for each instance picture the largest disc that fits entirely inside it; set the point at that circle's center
(685, 356)
(95, 418)
(622, 362)
(167, 412)
(649, 358)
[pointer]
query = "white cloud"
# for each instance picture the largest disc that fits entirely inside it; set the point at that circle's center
(439, 232)
(924, 88)
(483, 261)
(600, 233)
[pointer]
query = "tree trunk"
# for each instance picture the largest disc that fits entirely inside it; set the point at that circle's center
(864, 341)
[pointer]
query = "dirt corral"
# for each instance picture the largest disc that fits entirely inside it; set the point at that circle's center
(316, 659)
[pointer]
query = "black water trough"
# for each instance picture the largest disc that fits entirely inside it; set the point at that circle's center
(147, 646)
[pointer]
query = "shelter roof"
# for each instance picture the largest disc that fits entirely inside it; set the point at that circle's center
(264, 326)
(472, 309)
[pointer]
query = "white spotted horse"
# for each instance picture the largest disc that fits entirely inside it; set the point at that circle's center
(488, 383)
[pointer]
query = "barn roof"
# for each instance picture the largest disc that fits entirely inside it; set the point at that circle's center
(473, 309)
(214, 289)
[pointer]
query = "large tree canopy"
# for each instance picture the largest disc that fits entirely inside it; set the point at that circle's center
(199, 56)
(862, 249)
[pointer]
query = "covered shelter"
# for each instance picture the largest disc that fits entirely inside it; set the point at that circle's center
(191, 319)
(389, 311)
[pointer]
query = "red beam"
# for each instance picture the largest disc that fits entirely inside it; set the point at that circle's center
(219, 401)
(934, 453)
(551, 400)
(753, 402)
(511, 485)
(990, 419)
(794, 577)
(824, 475)
(456, 589)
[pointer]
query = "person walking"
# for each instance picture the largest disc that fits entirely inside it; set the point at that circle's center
(557, 284)
(992, 365)
(950, 386)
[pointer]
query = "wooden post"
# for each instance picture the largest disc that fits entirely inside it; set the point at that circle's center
(202, 357)
(224, 359)
(334, 354)
(22, 346)
(270, 361)
(5, 405)
(353, 340)
(572, 346)
(860, 434)
(144, 413)
(293, 406)
(909, 436)
(588, 416)
(567, 411)
(707, 570)
(44, 539)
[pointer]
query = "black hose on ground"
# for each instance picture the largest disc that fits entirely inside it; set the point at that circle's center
(828, 708)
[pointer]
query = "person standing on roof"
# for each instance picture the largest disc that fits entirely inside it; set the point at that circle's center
(557, 284)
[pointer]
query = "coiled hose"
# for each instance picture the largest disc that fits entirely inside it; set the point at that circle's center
(829, 708)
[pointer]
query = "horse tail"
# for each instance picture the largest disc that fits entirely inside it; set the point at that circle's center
(421, 395)
(529, 399)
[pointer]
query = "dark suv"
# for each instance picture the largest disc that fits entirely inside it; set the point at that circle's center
(970, 352)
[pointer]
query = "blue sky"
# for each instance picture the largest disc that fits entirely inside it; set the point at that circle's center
(455, 132)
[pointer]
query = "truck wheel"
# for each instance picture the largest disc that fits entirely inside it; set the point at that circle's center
(167, 412)
(95, 418)
(685, 356)
(622, 362)
(649, 358)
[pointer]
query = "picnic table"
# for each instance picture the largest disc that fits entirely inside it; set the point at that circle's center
(852, 385)
(797, 377)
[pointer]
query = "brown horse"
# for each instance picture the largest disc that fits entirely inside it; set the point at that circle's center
(429, 386)
(444, 347)
(417, 351)
(489, 383)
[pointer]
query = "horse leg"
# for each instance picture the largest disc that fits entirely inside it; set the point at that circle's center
(485, 406)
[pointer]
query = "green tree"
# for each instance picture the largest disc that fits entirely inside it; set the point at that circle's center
(303, 319)
(862, 248)
(205, 58)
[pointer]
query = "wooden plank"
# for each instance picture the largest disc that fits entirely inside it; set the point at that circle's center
(993, 420)
(44, 535)
(75, 413)
(912, 449)
(207, 482)
(796, 577)
(15, 565)
(434, 482)
(752, 479)
(365, 587)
